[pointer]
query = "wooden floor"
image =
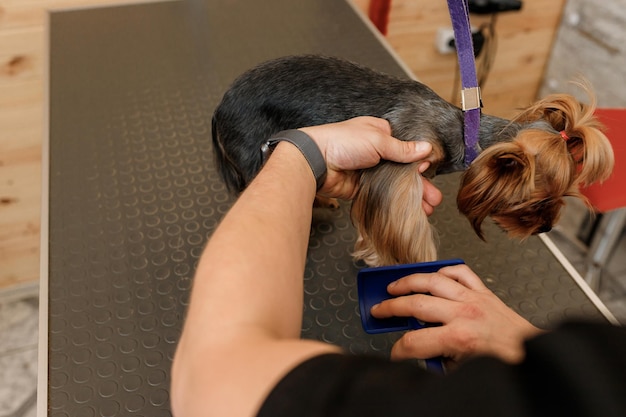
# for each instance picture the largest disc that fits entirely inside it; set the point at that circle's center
(524, 43)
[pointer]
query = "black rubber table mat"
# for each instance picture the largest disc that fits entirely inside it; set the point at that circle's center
(134, 194)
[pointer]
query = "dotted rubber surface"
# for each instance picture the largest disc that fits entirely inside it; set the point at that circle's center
(134, 194)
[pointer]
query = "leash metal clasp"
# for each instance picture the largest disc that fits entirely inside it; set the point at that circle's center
(470, 98)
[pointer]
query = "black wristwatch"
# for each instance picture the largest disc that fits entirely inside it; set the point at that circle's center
(306, 145)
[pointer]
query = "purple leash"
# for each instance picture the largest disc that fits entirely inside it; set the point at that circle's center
(470, 92)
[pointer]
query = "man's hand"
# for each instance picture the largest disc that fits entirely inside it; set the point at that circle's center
(474, 320)
(363, 142)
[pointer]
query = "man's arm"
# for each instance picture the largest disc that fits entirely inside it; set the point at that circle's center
(242, 331)
(247, 296)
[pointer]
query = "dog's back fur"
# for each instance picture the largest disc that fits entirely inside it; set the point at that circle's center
(311, 90)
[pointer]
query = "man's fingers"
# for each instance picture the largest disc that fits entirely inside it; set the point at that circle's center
(421, 306)
(452, 282)
(433, 283)
(432, 197)
(422, 344)
(403, 151)
(377, 122)
(463, 275)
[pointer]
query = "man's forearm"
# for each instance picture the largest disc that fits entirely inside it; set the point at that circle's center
(251, 271)
(246, 304)
(242, 331)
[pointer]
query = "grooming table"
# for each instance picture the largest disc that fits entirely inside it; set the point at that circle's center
(131, 196)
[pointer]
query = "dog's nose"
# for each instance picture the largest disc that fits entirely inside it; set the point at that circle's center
(544, 229)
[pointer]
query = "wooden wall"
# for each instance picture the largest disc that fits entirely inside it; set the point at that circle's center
(590, 42)
(22, 71)
(524, 43)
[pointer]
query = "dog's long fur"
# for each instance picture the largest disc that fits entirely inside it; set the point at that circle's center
(524, 169)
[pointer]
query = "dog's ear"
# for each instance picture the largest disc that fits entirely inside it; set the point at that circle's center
(501, 177)
(508, 162)
(388, 214)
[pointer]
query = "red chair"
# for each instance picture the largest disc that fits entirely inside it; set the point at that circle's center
(608, 199)
(379, 14)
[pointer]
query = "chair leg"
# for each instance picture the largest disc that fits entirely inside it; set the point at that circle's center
(602, 245)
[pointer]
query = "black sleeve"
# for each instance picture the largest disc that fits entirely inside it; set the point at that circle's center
(577, 370)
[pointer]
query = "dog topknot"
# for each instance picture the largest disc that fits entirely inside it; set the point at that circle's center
(586, 143)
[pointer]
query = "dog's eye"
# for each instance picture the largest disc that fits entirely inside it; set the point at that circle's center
(543, 205)
(508, 163)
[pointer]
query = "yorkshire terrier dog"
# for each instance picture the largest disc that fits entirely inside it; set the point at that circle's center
(525, 166)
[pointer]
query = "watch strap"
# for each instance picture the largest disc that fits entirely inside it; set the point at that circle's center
(305, 145)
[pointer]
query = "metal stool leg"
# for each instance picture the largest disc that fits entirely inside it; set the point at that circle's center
(603, 244)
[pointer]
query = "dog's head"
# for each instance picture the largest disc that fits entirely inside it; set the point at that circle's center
(521, 184)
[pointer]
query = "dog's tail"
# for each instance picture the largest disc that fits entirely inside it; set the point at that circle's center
(233, 177)
(387, 211)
